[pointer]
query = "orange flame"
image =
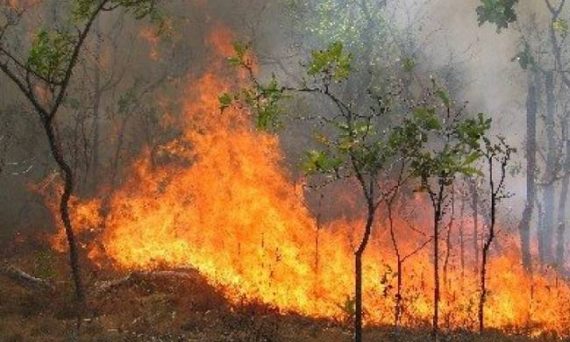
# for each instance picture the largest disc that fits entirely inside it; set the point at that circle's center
(227, 207)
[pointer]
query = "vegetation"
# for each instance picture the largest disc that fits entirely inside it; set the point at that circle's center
(301, 186)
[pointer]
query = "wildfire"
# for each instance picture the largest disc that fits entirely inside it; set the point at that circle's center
(225, 205)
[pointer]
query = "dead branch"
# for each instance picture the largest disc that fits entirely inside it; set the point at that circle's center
(137, 277)
(29, 282)
(24, 279)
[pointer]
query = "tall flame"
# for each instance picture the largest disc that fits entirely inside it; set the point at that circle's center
(225, 205)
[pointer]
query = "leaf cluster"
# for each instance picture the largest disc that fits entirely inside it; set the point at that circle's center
(83, 9)
(332, 63)
(440, 149)
(50, 53)
(262, 99)
(525, 58)
(498, 12)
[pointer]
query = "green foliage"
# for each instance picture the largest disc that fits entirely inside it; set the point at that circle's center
(51, 51)
(426, 118)
(320, 162)
(140, 8)
(239, 59)
(225, 100)
(349, 146)
(127, 99)
(408, 64)
(444, 97)
(332, 63)
(345, 21)
(560, 26)
(439, 149)
(83, 9)
(263, 99)
(471, 131)
(525, 58)
(498, 12)
(50, 54)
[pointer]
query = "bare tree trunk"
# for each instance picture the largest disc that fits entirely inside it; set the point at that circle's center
(437, 201)
(485, 254)
(317, 235)
(475, 207)
(561, 229)
(398, 304)
(448, 245)
(550, 171)
(358, 273)
(540, 232)
(524, 225)
(496, 194)
(96, 110)
(67, 176)
(462, 238)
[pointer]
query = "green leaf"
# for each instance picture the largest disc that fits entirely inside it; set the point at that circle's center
(332, 62)
(140, 8)
(472, 157)
(408, 64)
(225, 100)
(320, 162)
(427, 118)
(234, 61)
(444, 97)
(498, 12)
(50, 54)
(525, 58)
(561, 26)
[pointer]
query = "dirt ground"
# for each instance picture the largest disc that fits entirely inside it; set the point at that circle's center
(169, 309)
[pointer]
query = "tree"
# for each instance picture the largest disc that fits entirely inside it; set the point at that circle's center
(366, 29)
(440, 146)
(352, 144)
(389, 201)
(44, 75)
(499, 153)
(542, 56)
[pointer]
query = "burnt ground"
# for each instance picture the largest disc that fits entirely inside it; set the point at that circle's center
(168, 309)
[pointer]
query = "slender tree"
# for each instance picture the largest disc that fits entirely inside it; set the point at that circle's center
(492, 153)
(44, 77)
(440, 147)
(353, 145)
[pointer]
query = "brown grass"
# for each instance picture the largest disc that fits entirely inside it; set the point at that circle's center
(170, 310)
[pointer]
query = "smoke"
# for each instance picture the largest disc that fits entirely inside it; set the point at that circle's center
(442, 35)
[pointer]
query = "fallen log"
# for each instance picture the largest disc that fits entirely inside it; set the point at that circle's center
(24, 279)
(137, 277)
(32, 283)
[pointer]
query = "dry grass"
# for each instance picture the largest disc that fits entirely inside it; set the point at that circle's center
(170, 310)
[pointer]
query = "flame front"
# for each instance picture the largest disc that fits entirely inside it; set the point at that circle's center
(225, 205)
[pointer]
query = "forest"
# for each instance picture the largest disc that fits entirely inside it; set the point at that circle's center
(284, 170)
